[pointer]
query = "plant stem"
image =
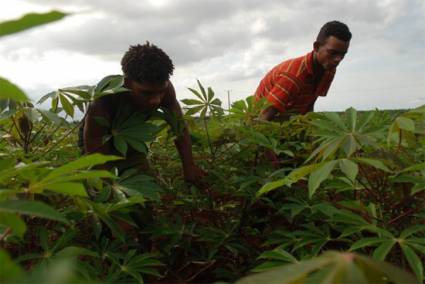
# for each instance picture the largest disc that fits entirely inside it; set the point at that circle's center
(208, 136)
(5, 234)
(402, 215)
(64, 136)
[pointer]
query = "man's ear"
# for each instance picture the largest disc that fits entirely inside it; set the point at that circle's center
(316, 46)
(127, 82)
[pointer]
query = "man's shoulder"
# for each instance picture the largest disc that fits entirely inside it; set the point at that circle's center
(169, 95)
(291, 66)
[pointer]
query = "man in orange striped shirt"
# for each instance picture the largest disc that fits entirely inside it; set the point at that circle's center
(294, 85)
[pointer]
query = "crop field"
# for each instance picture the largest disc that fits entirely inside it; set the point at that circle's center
(345, 204)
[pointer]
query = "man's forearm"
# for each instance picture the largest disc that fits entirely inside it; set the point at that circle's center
(269, 113)
(184, 147)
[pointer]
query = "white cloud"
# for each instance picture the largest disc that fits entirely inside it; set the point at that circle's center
(227, 44)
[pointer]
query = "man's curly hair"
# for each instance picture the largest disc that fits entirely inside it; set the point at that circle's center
(336, 29)
(147, 64)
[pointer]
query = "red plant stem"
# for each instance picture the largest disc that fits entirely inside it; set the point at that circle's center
(5, 234)
(370, 190)
(402, 215)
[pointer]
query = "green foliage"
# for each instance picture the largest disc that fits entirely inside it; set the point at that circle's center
(249, 109)
(8, 90)
(334, 267)
(131, 131)
(29, 21)
(205, 104)
(349, 182)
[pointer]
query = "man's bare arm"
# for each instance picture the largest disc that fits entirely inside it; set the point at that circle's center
(269, 113)
(183, 142)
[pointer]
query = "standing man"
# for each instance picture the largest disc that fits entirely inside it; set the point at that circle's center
(147, 70)
(294, 85)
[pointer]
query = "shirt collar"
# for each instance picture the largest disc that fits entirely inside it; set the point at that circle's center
(308, 61)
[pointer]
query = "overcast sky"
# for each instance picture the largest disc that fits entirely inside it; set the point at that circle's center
(227, 44)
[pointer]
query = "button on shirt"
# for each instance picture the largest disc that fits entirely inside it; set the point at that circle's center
(291, 87)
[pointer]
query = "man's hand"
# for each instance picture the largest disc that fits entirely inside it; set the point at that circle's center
(194, 174)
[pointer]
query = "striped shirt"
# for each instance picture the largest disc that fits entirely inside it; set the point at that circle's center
(290, 86)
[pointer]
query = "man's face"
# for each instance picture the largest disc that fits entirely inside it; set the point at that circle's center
(147, 95)
(330, 53)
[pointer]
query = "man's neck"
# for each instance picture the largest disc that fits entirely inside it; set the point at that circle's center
(318, 69)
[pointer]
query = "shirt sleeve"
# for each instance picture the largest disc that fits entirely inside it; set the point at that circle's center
(283, 91)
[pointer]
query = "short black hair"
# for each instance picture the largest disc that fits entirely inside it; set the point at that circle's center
(147, 64)
(336, 29)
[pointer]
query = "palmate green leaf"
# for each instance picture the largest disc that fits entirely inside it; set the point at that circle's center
(405, 123)
(32, 208)
(203, 112)
(193, 110)
(192, 102)
(102, 212)
(216, 102)
(419, 187)
(381, 252)
(73, 251)
(210, 96)
(8, 90)
(393, 274)
(292, 177)
(51, 116)
(120, 145)
(109, 85)
(349, 168)
(66, 105)
(350, 145)
(326, 149)
(417, 246)
(144, 132)
(139, 146)
(50, 95)
(347, 217)
(414, 261)
(196, 93)
(29, 21)
(140, 185)
(9, 270)
(278, 254)
(204, 94)
(128, 202)
(81, 91)
(79, 176)
(374, 163)
(333, 267)
(109, 82)
(293, 273)
(414, 168)
(13, 221)
(336, 120)
(319, 175)
(412, 230)
(82, 163)
(365, 123)
(68, 188)
(351, 114)
(366, 242)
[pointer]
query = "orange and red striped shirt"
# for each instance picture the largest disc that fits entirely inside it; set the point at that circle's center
(290, 85)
